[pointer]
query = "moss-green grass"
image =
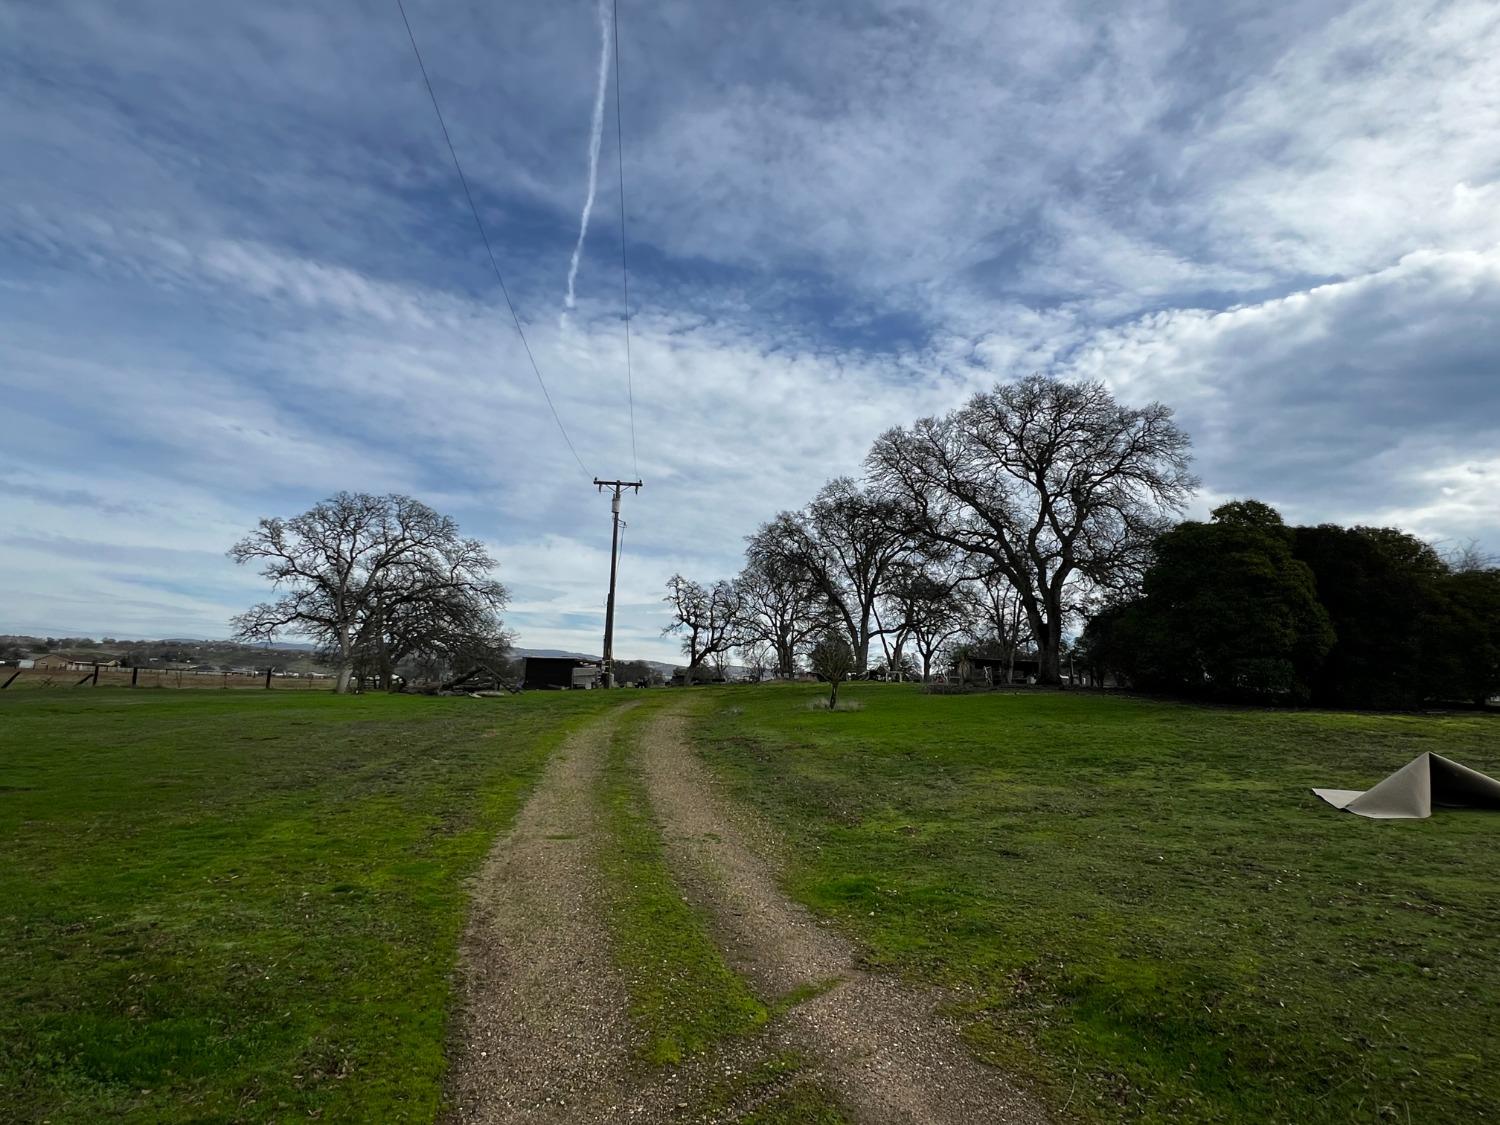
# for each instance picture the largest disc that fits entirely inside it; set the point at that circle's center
(1151, 914)
(776, 1092)
(802, 1103)
(683, 996)
(244, 906)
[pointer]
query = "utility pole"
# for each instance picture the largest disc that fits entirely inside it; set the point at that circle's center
(614, 558)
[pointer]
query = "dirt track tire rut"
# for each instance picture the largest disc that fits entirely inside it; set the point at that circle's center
(882, 1046)
(542, 1034)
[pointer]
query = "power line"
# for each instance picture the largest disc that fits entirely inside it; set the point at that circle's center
(624, 268)
(495, 265)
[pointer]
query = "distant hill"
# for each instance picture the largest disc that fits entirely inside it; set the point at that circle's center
(289, 646)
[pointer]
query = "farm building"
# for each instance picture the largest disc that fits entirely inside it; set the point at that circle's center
(993, 669)
(58, 662)
(55, 663)
(545, 673)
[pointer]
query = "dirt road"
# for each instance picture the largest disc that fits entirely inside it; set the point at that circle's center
(544, 1034)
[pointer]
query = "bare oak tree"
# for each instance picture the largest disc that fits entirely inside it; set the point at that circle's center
(442, 628)
(1055, 483)
(782, 605)
(707, 618)
(931, 611)
(757, 657)
(846, 541)
(354, 567)
(995, 615)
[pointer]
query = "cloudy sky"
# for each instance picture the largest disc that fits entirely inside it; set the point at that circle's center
(237, 272)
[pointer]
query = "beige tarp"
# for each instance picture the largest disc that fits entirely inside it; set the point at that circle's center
(1412, 791)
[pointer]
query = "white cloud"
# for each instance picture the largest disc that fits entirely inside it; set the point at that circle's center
(1326, 401)
(239, 275)
(1371, 140)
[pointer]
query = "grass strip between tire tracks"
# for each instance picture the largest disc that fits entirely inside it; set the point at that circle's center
(683, 996)
(777, 1094)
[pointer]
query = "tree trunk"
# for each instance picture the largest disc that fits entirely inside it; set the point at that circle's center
(833, 692)
(382, 661)
(1048, 649)
(693, 657)
(784, 658)
(387, 670)
(346, 662)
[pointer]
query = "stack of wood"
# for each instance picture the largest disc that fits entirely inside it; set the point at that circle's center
(480, 681)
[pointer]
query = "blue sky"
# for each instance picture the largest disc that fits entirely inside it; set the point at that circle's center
(237, 273)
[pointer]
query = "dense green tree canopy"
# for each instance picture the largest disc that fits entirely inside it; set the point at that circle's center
(1466, 664)
(1228, 611)
(1382, 590)
(1247, 608)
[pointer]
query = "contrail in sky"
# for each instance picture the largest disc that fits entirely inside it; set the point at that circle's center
(595, 135)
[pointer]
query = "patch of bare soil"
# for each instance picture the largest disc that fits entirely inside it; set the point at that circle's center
(543, 1034)
(882, 1046)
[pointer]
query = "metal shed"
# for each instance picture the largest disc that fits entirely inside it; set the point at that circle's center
(560, 673)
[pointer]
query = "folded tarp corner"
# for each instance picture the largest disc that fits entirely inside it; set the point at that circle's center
(1411, 792)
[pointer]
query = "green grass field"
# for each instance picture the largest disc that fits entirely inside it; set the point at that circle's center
(230, 906)
(1144, 906)
(245, 906)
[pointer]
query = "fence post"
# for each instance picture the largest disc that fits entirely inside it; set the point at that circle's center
(135, 674)
(268, 679)
(96, 674)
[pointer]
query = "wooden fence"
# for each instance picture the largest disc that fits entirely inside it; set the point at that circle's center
(12, 677)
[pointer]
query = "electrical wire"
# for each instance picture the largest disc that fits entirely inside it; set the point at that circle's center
(489, 249)
(624, 267)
